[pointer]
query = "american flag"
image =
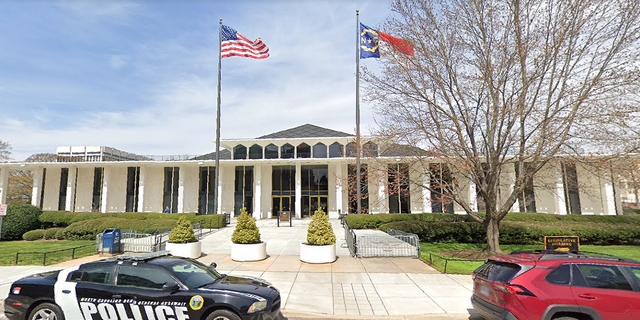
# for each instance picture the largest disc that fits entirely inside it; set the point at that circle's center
(235, 44)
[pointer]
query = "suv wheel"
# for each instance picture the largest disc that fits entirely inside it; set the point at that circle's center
(223, 314)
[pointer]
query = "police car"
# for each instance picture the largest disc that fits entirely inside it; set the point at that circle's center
(155, 286)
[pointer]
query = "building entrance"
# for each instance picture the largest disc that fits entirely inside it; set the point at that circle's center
(283, 204)
(311, 203)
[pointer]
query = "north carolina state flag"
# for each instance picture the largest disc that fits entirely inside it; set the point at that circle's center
(374, 43)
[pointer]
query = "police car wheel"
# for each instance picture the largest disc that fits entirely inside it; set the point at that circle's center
(46, 311)
(223, 315)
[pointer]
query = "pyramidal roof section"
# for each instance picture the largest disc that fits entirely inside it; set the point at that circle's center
(306, 131)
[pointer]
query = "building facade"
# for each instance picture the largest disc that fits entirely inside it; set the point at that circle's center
(296, 170)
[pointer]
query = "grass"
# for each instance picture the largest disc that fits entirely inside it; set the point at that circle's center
(466, 267)
(32, 252)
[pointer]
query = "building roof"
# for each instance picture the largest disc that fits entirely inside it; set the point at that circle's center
(224, 155)
(306, 131)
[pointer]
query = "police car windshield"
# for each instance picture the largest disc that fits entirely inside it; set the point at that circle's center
(191, 273)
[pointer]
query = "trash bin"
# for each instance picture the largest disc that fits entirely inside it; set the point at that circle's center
(111, 241)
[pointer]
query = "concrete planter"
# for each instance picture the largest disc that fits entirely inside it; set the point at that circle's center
(188, 250)
(317, 254)
(248, 252)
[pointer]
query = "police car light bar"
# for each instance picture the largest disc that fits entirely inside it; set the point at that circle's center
(144, 256)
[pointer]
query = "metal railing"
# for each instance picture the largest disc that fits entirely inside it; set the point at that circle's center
(50, 253)
(350, 238)
(386, 245)
(447, 260)
(133, 241)
(410, 238)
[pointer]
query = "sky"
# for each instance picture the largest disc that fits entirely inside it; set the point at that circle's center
(141, 76)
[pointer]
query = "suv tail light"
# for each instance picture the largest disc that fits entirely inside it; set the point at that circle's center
(513, 289)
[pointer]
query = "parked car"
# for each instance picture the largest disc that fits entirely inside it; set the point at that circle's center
(143, 287)
(553, 285)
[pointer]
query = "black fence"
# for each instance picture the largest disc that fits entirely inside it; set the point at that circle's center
(56, 255)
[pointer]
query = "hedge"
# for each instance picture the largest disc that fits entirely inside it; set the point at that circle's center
(65, 218)
(525, 233)
(37, 234)
(20, 218)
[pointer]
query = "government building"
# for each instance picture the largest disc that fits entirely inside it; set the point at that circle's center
(296, 170)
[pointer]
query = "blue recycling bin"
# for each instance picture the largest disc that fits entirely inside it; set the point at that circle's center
(111, 241)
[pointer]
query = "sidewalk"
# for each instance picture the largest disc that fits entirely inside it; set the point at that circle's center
(350, 288)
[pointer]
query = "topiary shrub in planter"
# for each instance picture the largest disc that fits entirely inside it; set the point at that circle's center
(182, 241)
(246, 244)
(321, 241)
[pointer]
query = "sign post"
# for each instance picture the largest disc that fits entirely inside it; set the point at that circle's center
(3, 212)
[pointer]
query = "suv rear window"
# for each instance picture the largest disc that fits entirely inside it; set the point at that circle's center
(497, 271)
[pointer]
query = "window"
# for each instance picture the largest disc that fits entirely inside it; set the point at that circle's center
(171, 185)
(335, 150)
(320, 150)
(571, 189)
(498, 271)
(64, 179)
(243, 189)
(92, 274)
(370, 149)
(133, 183)
(255, 152)
(206, 192)
(143, 277)
(441, 182)
(603, 277)
(287, 151)
(239, 152)
(560, 276)
(304, 151)
(96, 202)
(527, 200)
(398, 188)
(352, 150)
(271, 152)
(353, 191)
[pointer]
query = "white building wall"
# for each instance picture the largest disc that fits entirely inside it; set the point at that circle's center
(259, 211)
(116, 184)
(36, 191)
(84, 189)
(549, 190)
(415, 189)
(265, 190)
(464, 186)
(591, 190)
(71, 188)
(378, 198)
(152, 179)
(507, 178)
(51, 189)
(190, 178)
(4, 184)
(226, 190)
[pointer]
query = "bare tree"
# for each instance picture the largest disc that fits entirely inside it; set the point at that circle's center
(21, 181)
(498, 84)
(5, 151)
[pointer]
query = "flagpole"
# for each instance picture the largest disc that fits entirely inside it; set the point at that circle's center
(215, 188)
(358, 186)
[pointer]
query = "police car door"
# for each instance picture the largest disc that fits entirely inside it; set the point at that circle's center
(82, 292)
(150, 292)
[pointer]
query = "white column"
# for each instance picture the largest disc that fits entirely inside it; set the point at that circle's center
(36, 193)
(4, 185)
(143, 171)
(257, 192)
(221, 177)
(298, 190)
(426, 193)
(105, 189)
(473, 197)
(339, 180)
(561, 201)
(181, 175)
(71, 190)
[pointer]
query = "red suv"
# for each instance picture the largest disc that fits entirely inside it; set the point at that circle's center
(553, 285)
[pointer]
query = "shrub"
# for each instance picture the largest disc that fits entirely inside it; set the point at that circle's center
(246, 231)
(320, 232)
(51, 233)
(60, 234)
(37, 234)
(88, 229)
(20, 218)
(211, 221)
(183, 232)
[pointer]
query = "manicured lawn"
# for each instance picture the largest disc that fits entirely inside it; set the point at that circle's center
(31, 252)
(466, 267)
